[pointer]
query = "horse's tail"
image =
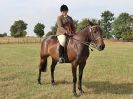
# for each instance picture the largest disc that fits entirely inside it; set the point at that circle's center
(43, 65)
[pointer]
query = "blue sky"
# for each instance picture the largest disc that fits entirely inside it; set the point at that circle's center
(46, 11)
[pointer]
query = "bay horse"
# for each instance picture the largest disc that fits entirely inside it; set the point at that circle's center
(77, 52)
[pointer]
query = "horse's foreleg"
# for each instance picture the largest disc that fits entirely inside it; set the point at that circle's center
(81, 67)
(74, 73)
(52, 70)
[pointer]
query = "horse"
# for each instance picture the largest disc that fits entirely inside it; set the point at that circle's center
(77, 52)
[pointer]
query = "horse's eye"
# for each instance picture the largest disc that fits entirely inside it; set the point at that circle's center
(94, 30)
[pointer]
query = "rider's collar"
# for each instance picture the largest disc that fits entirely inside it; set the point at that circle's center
(65, 16)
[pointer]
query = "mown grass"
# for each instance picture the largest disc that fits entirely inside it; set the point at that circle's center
(107, 75)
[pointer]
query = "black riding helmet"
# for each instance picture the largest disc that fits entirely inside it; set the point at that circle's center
(63, 8)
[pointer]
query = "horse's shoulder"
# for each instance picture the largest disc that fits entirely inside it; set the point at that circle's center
(72, 43)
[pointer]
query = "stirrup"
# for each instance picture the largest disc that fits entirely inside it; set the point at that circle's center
(61, 60)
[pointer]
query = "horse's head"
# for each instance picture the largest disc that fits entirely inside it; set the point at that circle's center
(96, 37)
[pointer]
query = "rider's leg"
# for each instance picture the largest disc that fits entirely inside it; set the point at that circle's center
(61, 54)
(62, 41)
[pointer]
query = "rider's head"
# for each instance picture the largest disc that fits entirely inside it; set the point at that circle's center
(64, 9)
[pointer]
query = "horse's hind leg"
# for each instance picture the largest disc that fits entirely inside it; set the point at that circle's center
(42, 67)
(39, 77)
(52, 71)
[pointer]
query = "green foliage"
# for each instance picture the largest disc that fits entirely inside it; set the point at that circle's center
(123, 26)
(39, 29)
(18, 29)
(75, 22)
(107, 18)
(3, 35)
(85, 22)
(49, 33)
(82, 24)
(94, 21)
(53, 30)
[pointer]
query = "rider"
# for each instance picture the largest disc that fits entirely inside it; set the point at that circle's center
(65, 27)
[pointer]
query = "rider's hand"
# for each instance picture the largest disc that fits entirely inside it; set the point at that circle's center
(70, 35)
(66, 34)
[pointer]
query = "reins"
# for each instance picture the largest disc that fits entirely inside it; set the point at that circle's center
(89, 44)
(85, 43)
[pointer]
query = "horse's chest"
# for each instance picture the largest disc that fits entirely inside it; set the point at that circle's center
(84, 54)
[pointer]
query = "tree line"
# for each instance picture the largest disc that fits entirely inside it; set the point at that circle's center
(116, 27)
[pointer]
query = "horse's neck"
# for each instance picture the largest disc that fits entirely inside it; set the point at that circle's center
(83, 35)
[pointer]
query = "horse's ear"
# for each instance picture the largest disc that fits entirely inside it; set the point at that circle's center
(90, 23)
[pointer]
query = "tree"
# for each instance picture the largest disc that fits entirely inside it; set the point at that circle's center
(123, 26)
(18, 29)
(94, 21)
(3, 35)
(82, 24)
(54, 29)
(107, 18)
(39, 29)
(85, 22)
(75, 22)
(49, 33)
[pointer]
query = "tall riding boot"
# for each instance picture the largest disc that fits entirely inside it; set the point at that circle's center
(61, 54)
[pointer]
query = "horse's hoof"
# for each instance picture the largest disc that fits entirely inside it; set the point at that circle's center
(53, 83)
(75, 94)
(39, 82)
(81, 92)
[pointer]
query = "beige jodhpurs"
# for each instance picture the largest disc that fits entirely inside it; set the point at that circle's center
(62, 40)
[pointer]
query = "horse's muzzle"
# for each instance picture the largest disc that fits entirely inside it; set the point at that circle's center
(101, 47)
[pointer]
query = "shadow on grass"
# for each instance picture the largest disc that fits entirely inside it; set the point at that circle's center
(63, 82)
(107, 87)
(57, 83)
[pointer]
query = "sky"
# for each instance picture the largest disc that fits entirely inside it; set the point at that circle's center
(46, 11)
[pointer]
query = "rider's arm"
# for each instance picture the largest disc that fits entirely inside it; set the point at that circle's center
(60, 26)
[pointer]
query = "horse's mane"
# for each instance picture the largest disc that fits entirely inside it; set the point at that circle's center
(90, 24)
(84, 28)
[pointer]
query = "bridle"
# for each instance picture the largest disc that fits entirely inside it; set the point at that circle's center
(92, 43)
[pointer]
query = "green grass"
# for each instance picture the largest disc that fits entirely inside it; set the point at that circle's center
(107, 75)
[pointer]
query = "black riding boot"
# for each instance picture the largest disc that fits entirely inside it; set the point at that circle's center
(61, 54)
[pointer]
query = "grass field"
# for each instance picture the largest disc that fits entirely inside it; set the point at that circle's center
(107, 75)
